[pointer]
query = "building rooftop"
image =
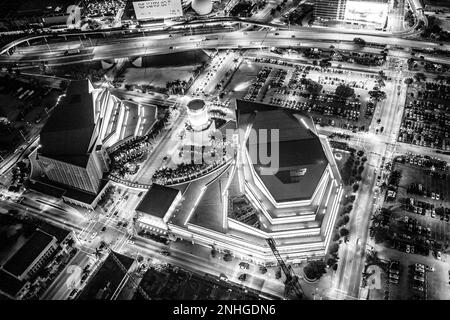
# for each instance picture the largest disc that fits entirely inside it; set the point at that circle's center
(59, 233)
(22, 258)
(107, 279)
(67, 135)
(302, 160)
(9, 284)
(157, 200)
(196, 104)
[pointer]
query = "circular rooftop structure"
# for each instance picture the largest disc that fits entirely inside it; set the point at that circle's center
(197, 114)
(196, 105)
(202, 7)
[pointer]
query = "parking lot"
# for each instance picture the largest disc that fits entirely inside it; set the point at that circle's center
(426, 121)
(417, 224)
(309, 88)
(422, 208)
(435, 285)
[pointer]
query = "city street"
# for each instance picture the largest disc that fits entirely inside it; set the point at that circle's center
(112, 223)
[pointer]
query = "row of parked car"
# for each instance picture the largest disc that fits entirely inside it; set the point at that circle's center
(425, 123)
(419, 189)
(417, 275)
(255, 88)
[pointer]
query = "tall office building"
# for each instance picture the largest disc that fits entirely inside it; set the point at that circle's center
(329, 9)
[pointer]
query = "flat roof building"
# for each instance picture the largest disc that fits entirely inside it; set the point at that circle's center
(107, 281)
(156, 207)
(28, 259)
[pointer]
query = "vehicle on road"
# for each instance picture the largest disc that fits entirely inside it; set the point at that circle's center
(394, 281)
(438, 255)
(94, 234)
(394, 276)
(73, 293)
(243, 277)
(419, 267)
(71, 52)
(165, 253)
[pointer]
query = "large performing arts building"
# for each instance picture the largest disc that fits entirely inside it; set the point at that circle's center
(238, 207)
(72, 158)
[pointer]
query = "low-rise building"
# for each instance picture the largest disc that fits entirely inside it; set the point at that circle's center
(31, 256)
(156, 207)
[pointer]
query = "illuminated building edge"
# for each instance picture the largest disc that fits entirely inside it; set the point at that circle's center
(251, 243)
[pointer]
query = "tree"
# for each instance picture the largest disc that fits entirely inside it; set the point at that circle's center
(380, 234)
(315, 269)
(140, 258)
(347, 209)
(345, 219)
(331, 262)
(334, 248)
(278, 273)
(70, 242)
(377, 95)
(325, 63)
(336, 237)
(344, 91)
(227, 257)
(408, 81)
(419, 76)
(355, 187)
(359, 41)
(313, 88)
(63, 85)
(349, 199)
(343, 232)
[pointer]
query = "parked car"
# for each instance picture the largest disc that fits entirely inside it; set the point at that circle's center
(223, 277)
(244, 265)
(431, 269)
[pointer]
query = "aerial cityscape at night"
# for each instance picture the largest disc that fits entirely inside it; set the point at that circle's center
(255, 150)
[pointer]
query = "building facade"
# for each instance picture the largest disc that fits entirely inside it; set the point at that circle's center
(329, 9)
(243, 204)
(156, 207)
